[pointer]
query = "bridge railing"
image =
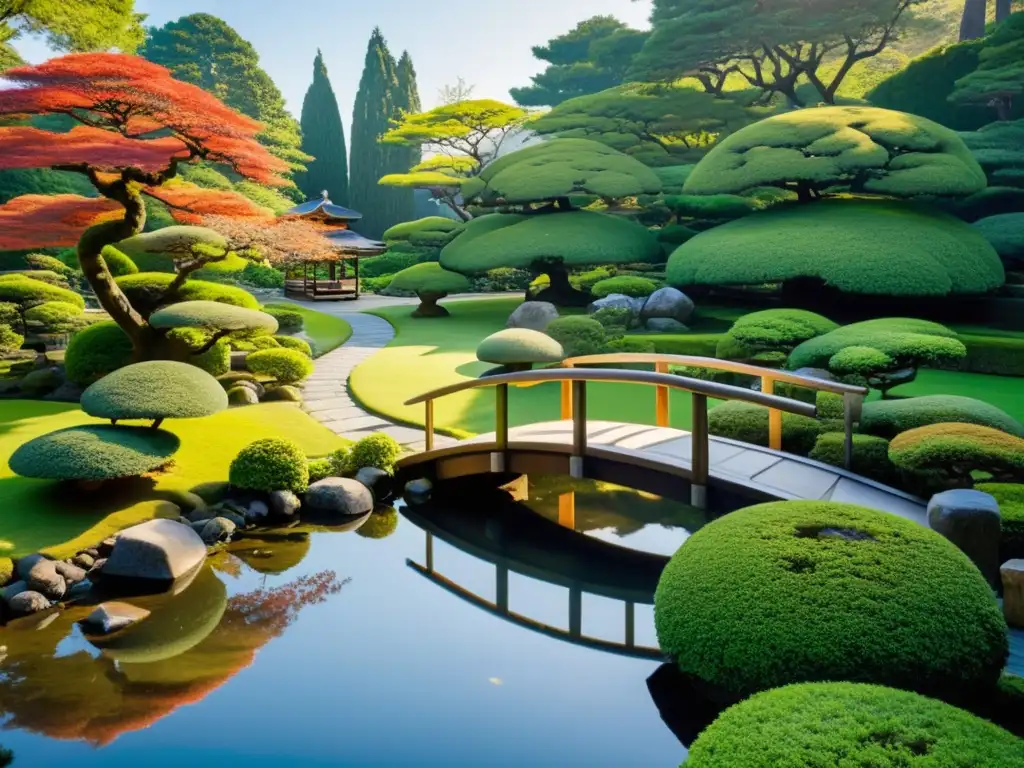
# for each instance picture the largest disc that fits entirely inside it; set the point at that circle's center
(575, 404)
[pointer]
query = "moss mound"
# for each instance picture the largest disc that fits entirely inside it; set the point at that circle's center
(806, 591)
(55, 317)
(748, 423)
(889, 418)
(820, 725)
(94, 453)
(287, 366)
(95, 351)
(118, 264)
(272, 464)
(627, 285)
(519, 346)
(875, 247)
(771, 330)
(1011, 508)
(407, 229)
(160, 389)
(958, 451)
(214, 315)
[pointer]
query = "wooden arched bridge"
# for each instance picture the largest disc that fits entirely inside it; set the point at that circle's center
(685, 465)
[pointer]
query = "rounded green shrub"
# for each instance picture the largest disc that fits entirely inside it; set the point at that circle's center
(889, 418)
(376, 450)
(339, 460)
(319, 469)
(147, 291)
(637, 287)
(290, 342)
(870, 454)
(287, 366)
(157, 251)
(389, 263)
(406, 229)
(118, 264)
(379, 525)
(9, 339)
(1005, 232)
(56, 317)
(50, 264)
(271, 464)
(429, 277)
(95, 351)
(46, 276)
(213, 315)
(614, 319)
(158, 389)
(771, 330)
(939, 254)
(264, 342)
(958, 451)
(1010, 497)
(806, 591)
(577, 335)
(748, 423)
(95, 452)
(519, 347)
(19, 289)
(288, 320)
(626, 345)
(851, 724)
(216, 360)
(585, 281)
(859, 361)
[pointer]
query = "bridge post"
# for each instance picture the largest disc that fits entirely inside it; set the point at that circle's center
(699, 452)
(661, 398)
(852, 404)
(566, 397)
(428, 427)
(567, 510)
(500, 428)
(774, 416)
(579, 428)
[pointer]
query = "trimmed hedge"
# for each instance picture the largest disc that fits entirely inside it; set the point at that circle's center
(870, 455)
(955, 451)
(1011, 509)
(821, 725)
(406, 229)
(56, 317)
(804, 591)
(748, 423)
(287, 366)
(519, 346)
(696, 344)
(271, 464)
(94, 452)
(999, 355)
(376, 450)
(118, 263)
(288, 320)
(159, 389)
(214, 315)
(889, 418)
(290, 342)
(577, 335)
(637, 287)
(95, 351)
(49, 263)
(1006, 234)
(19, 289)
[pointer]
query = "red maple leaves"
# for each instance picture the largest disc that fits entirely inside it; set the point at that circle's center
(51, 221)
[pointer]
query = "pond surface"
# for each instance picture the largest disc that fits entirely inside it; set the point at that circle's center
(420, 647)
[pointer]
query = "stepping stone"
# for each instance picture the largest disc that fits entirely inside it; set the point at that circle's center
(367, 422)
(313, 406)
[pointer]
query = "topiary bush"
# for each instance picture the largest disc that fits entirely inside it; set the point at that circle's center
(860, 361)
(850, 724)
(376, 450)
(431, 283)
(158, 389)
(157, 251)
(22, 290)
(319, 469)
(290, 342)
(271, 464)
(889, 418)
(46, 276)
(10, 340)
(803, 591)
(637, 287)
(870, 455)
(1011, 509)
(94, 452)
(287, 366)
(50, 264)
(954, 453)
(615, 320)
(339, 460)
(771, 330)
(1006, 234)
(212, 315)
(288, 320)
(519, 348)
(216, 360)
(55, 317)
(577, 335)
(95, 351)
(148, 291)
(748, 423)
(118, 264)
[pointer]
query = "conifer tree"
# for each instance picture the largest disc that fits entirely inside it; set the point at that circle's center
(323, 137)
(402, 158)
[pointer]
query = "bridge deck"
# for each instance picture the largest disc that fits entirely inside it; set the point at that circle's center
(780, 475)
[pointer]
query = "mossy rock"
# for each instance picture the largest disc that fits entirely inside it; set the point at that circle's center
(95, 452)
(233, 377)
(159, 389)
(239, 395)
(284, 393)
(889, 418)
(806, 591)
(849, 724)
(519, 346)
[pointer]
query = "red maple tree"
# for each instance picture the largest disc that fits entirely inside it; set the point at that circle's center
(136, 126)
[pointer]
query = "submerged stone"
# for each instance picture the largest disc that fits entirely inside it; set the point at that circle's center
(112, 616)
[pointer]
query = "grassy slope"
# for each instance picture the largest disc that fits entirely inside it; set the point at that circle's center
(326, 332)
(35, 514)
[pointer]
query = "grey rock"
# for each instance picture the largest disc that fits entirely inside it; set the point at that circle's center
(13, 589)
(92, 552)
(534, 315)
(198, 525)
(44, 579)
(158, 550)
(189, 502)
(258, 510)
(25, 564)
(239, 395)
(218, 529)
(72, 573)
(284, 503)
(112, 616)
(107, 546)
(97, 567)
(668, 302)
(201, 515)
(236, 519)
(83, 560)
(184, 521)
(418, 491)
(618, 301)
(67, 392)
(339, 496)
(238, 361)
(380, 483)
(258, 389)
(665, 325)
(284, 393)
(231, 505)
(971, 520)
(28, 602)
(815, 373)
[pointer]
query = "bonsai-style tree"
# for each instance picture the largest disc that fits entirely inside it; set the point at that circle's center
(136, 125)
(999, 77)
(431, 283)
(771, 333)
(463, 138)
(518, 349)
(957, 452)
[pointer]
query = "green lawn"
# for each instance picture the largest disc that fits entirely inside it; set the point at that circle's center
(36, 514)
(1006, 392)
(326, 332)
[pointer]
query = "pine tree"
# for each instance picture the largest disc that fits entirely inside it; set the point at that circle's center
(403, 158)
(323, 137)
(371, 118)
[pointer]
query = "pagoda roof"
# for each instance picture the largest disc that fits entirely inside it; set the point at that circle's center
(353, 241)
(323, 204)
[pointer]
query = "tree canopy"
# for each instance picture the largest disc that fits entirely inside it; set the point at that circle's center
(593, 56)
(74, 25)
(859, 149)
(323, 138)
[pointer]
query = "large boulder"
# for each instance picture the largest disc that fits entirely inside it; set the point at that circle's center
(158, 550)
(665, 325)
(44, 579)
(618, 301)
(971, 520)
(668, 302)
(339, 496)
(534, 315)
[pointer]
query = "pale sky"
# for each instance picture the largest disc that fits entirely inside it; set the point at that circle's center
(487, 43)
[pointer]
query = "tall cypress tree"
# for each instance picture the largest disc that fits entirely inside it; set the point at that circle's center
(371, 118)
(323, 137)
(404, 158)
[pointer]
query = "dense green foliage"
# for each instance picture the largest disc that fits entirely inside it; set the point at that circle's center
(957, 451)
(1010, 497)
(271, 464)
(323, 137)
(287, 366)
(847, 724)
(290, 342)
(117, 263)
(852, 148)
(159, 389)
(1006, 234)
(804, 591)
(870, 455)
(428, 278)
(906, 341)
(937, 254)
(74, 25)
(999, 76)
(577, 335)
(157, 251)
(95, 351)
(23, 290)
(627, 285)
(748, 423)
(377, 450)
(49, 263)
(94, 453)
(10, 339)
(407, 229)
(149, 291)
(889, 418)
(55, 317)
(288, 320)
(519, 346)
(319, 469)
(213, 315)
(771, 330)
(999, 149)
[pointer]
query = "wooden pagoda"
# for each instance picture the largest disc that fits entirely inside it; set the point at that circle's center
(308, 279)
